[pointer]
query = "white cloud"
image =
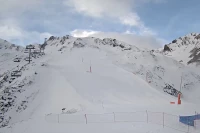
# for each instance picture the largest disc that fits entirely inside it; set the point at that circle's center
(129, 32)
(9, 29)
(132, 20)
(101, 8)
(141, 41)
(121, 10)
(21, 37)
(36, 37)
(83, 33)
(9, 32)
(154, 1)
(17, 7)
(14, 17)
(114, 9)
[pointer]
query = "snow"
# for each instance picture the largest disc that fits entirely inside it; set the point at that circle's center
(99, 128)
(182, 48)
(64, 90)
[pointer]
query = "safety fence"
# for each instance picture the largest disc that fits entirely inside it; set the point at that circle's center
(159, 118)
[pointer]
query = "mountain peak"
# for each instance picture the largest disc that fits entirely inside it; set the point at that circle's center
(5, 45)
(67, 41)
(185, 49)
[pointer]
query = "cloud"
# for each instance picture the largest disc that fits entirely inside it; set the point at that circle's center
(120, 10)
(100, 8)
(27, 21)
(131, 19)
(17, 7)
(141, 41)
(154, 1)
(83, 33)
(17, 18)
(9, 32)
(17, 35)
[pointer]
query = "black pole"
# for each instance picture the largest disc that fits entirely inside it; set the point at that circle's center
(29, 56)
(181, 83)
(29, 47)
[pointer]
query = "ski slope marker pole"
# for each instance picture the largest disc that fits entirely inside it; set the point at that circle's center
(147, 116)
(114, 116)
(188, 128)
(146, 77)
(58, 118)
(86, 118)
(90, 69)
(102, 105)
(163, 119)
(195, 119)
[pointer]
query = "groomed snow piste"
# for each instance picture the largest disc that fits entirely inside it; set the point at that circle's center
(105, 87)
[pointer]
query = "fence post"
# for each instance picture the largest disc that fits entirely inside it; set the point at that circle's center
(195, 119)
(90, 69)
(58, 118)
(114, 116)
(163, 119)
(45, 117)
(146, 77)
(197, 124)
(11, 128)
(85, 118)
(147, 116)
(102, 105)
(188, 125)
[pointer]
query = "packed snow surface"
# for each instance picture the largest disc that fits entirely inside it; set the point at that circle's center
(114, 88)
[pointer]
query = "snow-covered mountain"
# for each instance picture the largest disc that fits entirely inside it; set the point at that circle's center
(7, 46)
(80, 75)
(14, 75)
(152, 66)
(185, 49)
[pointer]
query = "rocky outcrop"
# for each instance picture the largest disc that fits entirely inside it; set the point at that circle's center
(195, 55)
(52, 38)
(166, 48)
(197, 37)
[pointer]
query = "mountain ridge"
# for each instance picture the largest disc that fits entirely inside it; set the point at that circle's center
(77, 63)
(185, 49)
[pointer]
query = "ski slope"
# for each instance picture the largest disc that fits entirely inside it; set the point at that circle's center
(59, 89)
(65, 81)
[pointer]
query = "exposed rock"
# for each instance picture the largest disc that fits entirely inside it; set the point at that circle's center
(127, 49)
(171, 90)
(122, 46)
(197, 37)
(52, 38)
(166, 48)
(195, 55)
(78, 44)
(174, 41)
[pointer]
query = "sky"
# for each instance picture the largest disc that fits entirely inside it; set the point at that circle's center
(147, 23)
